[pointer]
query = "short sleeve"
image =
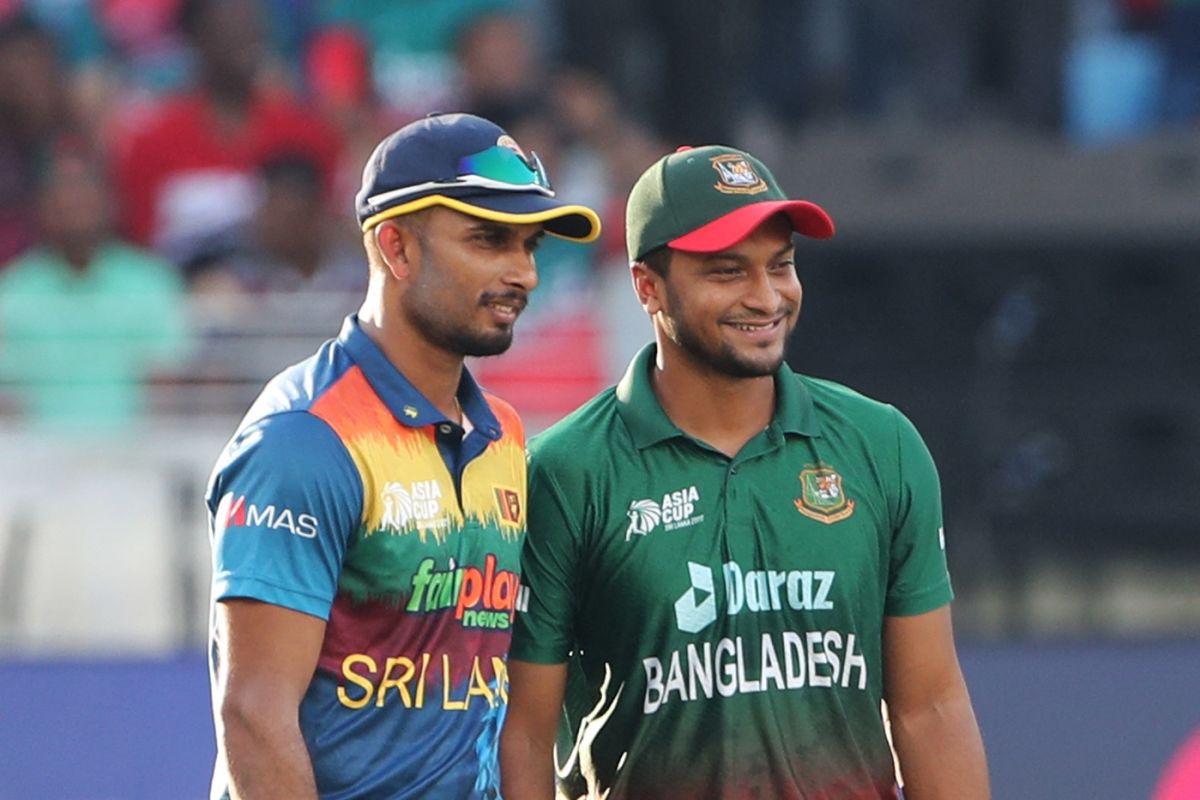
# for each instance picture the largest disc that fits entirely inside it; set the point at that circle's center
(919, 580)
(283, 502)
(544, 629)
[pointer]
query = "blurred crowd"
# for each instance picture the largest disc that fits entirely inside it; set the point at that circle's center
(163, 156)
(159, 156)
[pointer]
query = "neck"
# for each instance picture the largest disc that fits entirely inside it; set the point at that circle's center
(434, 372)
(718, 409)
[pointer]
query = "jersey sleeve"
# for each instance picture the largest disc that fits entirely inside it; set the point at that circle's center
(918, 578)
(544, 629)
(283, 502)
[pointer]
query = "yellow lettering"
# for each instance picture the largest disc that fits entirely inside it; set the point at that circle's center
(447, 703)
(421, 681)
(501, 670)
(478, 686)
(400, 683)
(358, 680)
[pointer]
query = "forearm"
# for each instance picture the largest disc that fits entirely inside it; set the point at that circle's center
(266, 759)
(941, 751)
(526, 767)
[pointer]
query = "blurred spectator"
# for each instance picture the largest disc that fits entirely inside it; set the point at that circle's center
(499, 73)
(85, 319)
(287, 246)
(412, 44)
(338, 73)
(188, 178)
(33, 114)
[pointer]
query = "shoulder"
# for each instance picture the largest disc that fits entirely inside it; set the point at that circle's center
(288, 448)
(299, 386)
(585, 432)
(149, 271)
(836, 404)
(27, 272)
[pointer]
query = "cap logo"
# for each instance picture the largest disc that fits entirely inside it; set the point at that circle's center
(511, 144)
(736, 176)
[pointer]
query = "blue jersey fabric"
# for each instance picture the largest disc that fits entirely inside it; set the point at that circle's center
(344, 494)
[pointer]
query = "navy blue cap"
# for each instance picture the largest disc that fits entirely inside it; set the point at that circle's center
(471, 165)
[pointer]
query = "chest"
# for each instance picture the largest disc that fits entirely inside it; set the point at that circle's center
(784, 540)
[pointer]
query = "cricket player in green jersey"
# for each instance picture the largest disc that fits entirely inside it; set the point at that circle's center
(729, 566)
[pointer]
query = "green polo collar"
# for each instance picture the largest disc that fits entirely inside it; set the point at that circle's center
(648, 423)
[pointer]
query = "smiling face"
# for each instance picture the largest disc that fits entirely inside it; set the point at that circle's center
(471, 280)
(730, 312)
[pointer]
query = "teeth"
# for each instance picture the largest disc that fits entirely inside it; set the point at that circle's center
(743, 326)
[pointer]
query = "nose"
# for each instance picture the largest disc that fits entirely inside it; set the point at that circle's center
(522, 273)
(761, 294)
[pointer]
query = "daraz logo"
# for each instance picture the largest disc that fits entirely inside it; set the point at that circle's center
(237, 512)
(754, 590)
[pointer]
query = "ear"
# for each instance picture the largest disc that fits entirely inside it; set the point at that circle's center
(398, 248)
(648, 285)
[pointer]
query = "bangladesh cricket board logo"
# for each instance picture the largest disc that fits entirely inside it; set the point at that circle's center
(735, 175)
(823, 497)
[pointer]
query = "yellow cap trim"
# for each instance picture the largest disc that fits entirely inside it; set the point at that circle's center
(487, 213)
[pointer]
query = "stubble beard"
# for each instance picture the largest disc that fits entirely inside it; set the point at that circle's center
(444, 332)
(723, 357)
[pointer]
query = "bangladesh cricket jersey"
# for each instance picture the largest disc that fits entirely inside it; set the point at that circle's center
(722, 617)
(345, 495)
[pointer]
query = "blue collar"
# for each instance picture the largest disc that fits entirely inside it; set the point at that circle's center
(406, 403)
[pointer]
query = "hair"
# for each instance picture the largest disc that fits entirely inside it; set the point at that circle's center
(658, 260)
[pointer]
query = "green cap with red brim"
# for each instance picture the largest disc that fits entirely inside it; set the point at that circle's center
(707, 199)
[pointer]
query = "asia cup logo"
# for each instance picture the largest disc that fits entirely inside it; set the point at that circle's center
(397, 506)
(644, 516)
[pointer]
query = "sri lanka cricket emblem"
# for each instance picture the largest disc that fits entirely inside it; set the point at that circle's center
(823, 496)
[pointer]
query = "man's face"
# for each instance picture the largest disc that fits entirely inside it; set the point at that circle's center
(732, 311)
(473, 280)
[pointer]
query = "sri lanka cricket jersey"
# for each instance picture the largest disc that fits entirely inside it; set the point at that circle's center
(345, 495)
(722, 618)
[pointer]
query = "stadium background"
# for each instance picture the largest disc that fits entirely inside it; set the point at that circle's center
(1017, 267)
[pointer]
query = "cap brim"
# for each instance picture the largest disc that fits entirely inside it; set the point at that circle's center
(574, 222)
(808, 219)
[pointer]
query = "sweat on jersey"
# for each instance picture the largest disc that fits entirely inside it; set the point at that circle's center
(346, 495)
(722, 618)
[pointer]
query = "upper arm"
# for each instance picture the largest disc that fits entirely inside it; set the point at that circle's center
(284, 501)
(268, 657)
(544, 631)
(918, 579)
(920, 664)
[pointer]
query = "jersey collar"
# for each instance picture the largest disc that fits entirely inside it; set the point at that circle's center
(406, 403)
(648, 424)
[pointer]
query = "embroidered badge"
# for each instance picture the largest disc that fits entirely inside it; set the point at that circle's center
(823, 497)
(735, 175)
(509, 503)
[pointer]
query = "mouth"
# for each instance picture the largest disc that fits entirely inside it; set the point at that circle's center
(505, 309)
(758, 329)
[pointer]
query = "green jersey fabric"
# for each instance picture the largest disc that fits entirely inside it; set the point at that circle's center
(722, 618)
